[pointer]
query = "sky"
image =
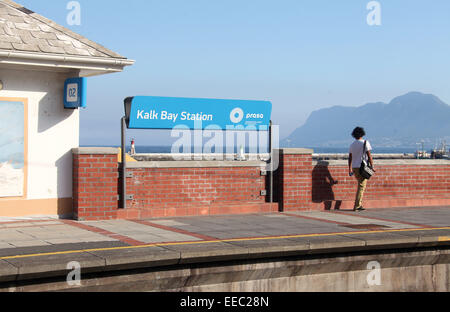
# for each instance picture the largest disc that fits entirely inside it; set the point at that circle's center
(302, 55)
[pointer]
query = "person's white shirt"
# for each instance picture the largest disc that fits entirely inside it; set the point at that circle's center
(357, 149)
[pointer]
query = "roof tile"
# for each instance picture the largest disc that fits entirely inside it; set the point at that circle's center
(25, 47)
(44, 35)
(13, 19)
(15, 13)
(12, 39)
(72, 51)
(6, 45)
(29, 39)
(24, 30)
(49, 49)
(27, 26)
(55, 43)
(45, 28)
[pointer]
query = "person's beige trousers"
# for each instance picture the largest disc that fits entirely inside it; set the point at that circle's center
(362, 183)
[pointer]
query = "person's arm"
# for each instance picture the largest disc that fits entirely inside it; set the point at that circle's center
(350, 171)
(370, 160)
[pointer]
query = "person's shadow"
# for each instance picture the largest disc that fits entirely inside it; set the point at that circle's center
(322, 186)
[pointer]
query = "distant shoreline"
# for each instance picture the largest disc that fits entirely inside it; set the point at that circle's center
(318, 150)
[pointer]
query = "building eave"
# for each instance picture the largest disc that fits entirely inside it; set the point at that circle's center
(88, 66)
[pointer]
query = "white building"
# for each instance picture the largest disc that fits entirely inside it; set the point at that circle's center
(36, 133)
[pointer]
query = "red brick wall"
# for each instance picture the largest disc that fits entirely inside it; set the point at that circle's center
(392, 186)
(292, 181)
(163, 192)
(301, 186)
(194, 191)
(95, 186)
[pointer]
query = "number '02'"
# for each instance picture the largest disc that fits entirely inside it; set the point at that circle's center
(72, 92)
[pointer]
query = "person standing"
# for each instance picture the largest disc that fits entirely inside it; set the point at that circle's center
(133, 148)
(359, 150)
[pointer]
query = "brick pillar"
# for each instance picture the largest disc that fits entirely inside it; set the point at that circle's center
(293, 179)
(95, 183)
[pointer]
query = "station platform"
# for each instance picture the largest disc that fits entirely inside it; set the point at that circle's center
(196, 253)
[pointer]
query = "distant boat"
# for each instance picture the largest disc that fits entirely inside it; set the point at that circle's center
(421, 153)
(441, 152)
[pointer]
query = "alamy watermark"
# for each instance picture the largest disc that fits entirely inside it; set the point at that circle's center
(74, 16)
(215, 143)
(374, 276)
(74, 276)
(374, 16)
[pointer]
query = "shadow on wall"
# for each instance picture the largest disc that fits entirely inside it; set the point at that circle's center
(52, 111)
(277, 188)
(322, 186)
(64, 182)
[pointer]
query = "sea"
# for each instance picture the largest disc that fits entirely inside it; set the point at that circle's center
(151, 149)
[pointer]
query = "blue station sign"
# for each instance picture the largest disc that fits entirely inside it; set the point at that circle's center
(152, 112)
(75, 92)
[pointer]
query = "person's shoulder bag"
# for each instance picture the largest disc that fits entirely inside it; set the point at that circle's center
(365, 170)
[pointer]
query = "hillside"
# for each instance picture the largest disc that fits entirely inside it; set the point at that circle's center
(405, 121)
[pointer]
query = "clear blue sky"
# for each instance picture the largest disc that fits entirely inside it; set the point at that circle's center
(300, 54)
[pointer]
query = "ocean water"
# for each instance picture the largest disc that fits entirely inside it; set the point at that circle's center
(319, 150)
(376, 150)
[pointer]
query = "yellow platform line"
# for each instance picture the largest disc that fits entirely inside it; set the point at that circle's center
(441, 238)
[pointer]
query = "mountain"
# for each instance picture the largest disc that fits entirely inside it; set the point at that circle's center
(405, 121)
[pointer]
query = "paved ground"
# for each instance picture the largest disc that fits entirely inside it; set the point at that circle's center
(40, 235)
(35, 248)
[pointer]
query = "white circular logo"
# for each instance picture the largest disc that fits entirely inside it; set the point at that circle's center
(236, 115)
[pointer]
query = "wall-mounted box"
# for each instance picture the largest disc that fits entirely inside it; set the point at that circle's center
(75, 93)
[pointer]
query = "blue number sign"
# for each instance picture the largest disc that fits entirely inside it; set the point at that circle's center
(75, 92)
(151, 112)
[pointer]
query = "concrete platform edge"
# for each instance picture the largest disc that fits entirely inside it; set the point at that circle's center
(32, 269)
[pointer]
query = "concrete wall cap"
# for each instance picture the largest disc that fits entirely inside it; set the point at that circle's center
(95, 151)
(194, 164)
(296, 151)
(388, 162)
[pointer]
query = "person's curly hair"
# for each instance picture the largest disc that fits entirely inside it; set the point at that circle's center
(358, 133)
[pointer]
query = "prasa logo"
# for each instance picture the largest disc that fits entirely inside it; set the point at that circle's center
(255, 116)
(237, 115)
